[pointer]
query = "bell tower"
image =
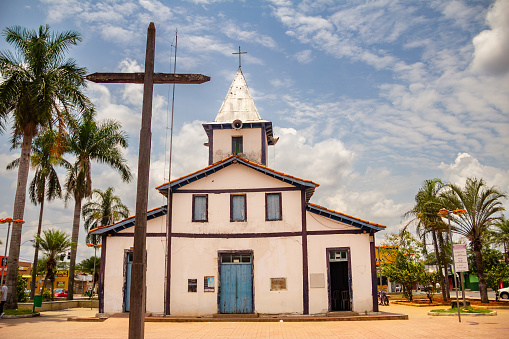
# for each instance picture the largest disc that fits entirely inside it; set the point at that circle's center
(238, 128)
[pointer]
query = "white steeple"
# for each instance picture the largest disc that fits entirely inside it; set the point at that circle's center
(238, 103)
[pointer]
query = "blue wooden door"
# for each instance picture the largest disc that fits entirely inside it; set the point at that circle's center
(127, 296)
(236, 288)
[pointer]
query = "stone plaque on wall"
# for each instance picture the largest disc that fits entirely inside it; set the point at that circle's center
(317, 280)
(278, 284)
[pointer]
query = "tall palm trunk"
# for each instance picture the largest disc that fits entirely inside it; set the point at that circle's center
(74, 246)
(36, 254)
(480, 272)
(439, 264)
(444, 263)
(19, 211)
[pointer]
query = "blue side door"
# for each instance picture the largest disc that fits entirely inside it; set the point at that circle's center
(236, 284)
(127, 295)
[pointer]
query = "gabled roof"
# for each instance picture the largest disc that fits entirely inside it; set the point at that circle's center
(128, 222)
(234, 159)
(344, 218)
(238, 103)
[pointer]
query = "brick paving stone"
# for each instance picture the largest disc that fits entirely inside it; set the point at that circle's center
(54, 324)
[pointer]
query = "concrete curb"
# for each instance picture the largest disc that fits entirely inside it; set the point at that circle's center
(280, 319)
(9, 316)
(438, 314)
(87, 319)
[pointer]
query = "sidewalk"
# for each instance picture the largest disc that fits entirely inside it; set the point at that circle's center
(53, 324)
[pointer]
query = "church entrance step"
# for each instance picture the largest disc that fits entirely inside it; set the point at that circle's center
(236, 315)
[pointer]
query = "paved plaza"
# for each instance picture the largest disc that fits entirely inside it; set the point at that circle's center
(54, 324)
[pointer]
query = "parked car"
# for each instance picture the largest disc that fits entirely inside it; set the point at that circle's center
(504, 293)
(60, 293)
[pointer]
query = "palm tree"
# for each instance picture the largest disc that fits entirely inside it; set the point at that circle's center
(105, 211)
(54, 243)
(500, 235)
(425, 212)
(45, 184)
(91, 141)
(39, 88)
(482, 207)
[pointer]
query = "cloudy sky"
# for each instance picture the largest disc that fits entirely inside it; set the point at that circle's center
(369, 98)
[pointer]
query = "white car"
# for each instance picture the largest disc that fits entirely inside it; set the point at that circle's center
(504, 293)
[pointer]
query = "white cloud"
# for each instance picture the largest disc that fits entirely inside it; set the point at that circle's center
(492, 46)
(157, 10)
(233, 31)
(466, 166)
(304, 57)
(58, 10)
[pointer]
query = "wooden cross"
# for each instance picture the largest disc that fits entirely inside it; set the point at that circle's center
(239, 53)
(148, 79)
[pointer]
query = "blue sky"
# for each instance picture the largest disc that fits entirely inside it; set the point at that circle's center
(369, 98)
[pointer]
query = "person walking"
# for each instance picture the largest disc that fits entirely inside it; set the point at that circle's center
(3, 298)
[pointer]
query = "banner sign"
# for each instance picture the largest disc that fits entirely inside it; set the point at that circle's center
(460, 257)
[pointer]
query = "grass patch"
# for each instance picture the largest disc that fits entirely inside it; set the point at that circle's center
(468, 310)
(18, 311)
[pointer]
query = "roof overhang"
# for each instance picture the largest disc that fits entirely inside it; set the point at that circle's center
(346, 219)
(127, 223)
(307, 185)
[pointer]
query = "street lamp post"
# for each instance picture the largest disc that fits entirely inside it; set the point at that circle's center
(442, 213)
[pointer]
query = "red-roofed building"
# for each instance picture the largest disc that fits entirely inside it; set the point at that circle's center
(242, 237)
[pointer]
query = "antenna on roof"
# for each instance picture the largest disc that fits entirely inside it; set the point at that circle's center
(239, 53)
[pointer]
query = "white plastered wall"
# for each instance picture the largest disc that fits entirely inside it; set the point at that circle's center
(272, 258)
(115, 270)
(360, 263)
(252, 142)
(237, 176)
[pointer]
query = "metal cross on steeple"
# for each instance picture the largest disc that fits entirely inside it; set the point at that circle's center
(239, 53)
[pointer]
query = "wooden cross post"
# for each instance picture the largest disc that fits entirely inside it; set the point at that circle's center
(148, 78)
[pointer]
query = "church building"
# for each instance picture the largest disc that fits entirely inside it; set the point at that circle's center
(242, 237)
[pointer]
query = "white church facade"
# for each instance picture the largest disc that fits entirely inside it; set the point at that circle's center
(242, 237)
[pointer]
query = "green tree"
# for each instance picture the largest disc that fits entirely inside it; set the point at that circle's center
(91, 141)
(406, 268)
(39, 88)
(428, 202)
(483, 207)
(491, 258)
(500, 235)
(21, 286)
(105, 210)
(495, 275)
(53, 243)
(429, 281)
(406, 271)
(45, 184)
